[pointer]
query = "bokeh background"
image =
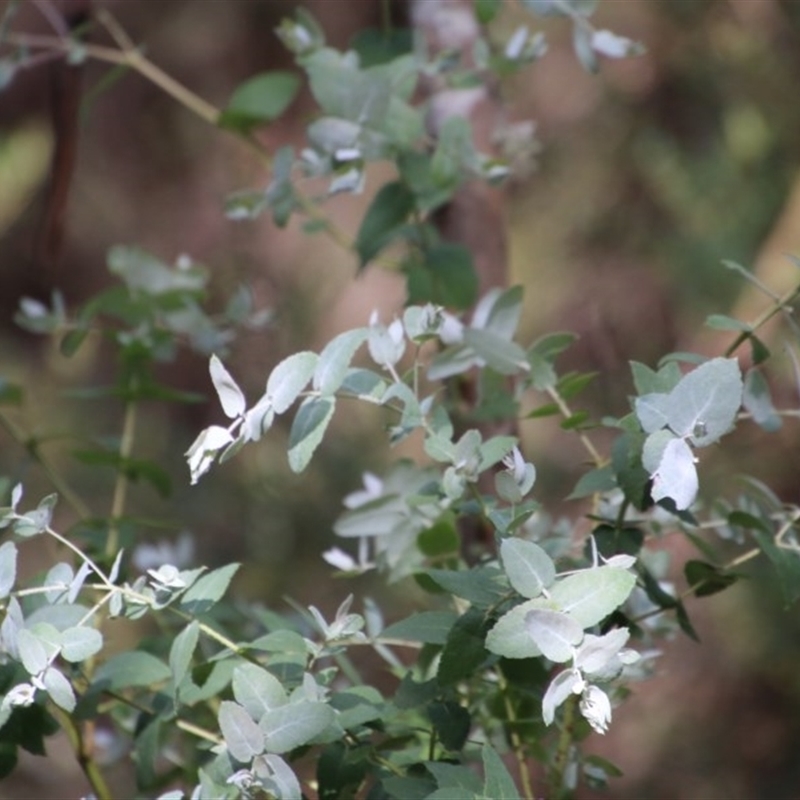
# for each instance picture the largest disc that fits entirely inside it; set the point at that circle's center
(648, 175)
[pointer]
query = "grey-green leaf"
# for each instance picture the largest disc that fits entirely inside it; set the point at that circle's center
(32, 652)
(208, 589)
(289, 378)
(510, 638)
(59, 689)
(291, 726)
(133, 668)
(499, 783)
(555, 633)
(430, 627)
(230, 395)
(591, 595)
(8, 568)
(80, 643)
(675, 475)
(704, 404)
(335, 358)
(758, 401)
(243, 738)
(527, 565)
(308, 428)
(257, 690)
(503, 356)
(181, 651)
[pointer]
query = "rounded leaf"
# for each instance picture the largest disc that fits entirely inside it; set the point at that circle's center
(527, 565)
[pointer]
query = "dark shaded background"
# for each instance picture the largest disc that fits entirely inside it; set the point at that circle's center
(649, 175)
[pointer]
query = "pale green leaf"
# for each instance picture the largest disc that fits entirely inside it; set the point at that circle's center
(208, 589)
(80, 643)
(308, 428)
(243, 738)
(591, 595)
(503, 356)
(289, 378)
(430, 627)
(32, 652)
(528, 566)
(59, 689)
(509, 637)
(705, 402)
(230, 395)
(257, 690)
(291, 726)
(335, 358)
(181, 651)
(555, 633)
(8, 568)
(59, 576)
(499, 783)
(758, 401)
(133, 668)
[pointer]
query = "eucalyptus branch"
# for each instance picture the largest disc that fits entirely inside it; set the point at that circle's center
(517, 745)
(566, 412)
(78, 552)
(783, 303)
(84, 758)
(561, 760)
(122, 480)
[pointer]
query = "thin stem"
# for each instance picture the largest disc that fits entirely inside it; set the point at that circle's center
(122, 481)
(780, 304)
(517, 744)
(201, 733)
(566, 412)
(556, 782)
(78, 552)
(87, 764)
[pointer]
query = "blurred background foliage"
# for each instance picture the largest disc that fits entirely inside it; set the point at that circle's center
(649, 174)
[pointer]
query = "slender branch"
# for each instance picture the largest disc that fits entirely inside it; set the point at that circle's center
(122, 481)
(517, 745)
(566, 412)
(781, 304)
(87, 764)
(78, 552)
(561, 760)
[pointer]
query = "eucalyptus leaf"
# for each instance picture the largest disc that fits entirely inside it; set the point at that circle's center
(556, 633)
(590, 595)
(80, 642)
(59, 689)
(8, 568)
(510, 638)
(259, 100)
(308, 429)
(257, 690)
(133, 668)
(208, 589)
(290, 726)
(288, 379)
(503, 356)
(529, 568)
(499, 785)
(334, 360)
(182, 650)
(758, 401)
(431, 627)
(230, 395)
(243, 738)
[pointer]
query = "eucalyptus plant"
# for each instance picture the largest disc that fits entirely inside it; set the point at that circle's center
(531, 639)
